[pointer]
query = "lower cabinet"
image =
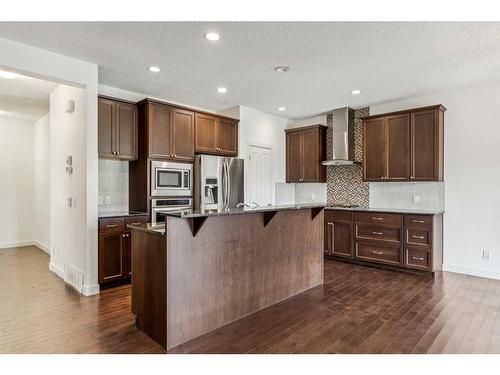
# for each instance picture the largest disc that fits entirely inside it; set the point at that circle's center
(115, 248)
(397, 240)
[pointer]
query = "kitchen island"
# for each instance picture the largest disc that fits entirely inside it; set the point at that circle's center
(211, 268)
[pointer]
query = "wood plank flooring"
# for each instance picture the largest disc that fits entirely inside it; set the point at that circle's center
(358, 310)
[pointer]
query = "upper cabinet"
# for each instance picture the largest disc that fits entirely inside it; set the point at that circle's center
(170, 131)
(305, 150)
(117, 129)
(404, 146)
(216, 135)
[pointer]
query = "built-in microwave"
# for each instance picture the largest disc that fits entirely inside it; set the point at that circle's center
(171, 179)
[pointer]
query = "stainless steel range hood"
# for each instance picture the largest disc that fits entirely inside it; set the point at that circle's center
(343, 138)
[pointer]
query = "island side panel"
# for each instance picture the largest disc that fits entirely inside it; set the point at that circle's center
(235, 266)
(149, 285)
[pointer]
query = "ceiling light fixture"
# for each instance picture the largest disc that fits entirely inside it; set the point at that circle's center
(282, 69)
(355, 92)
(8, 75)
(154, 69)
(222, 90)
(212, 36)
(281, 109)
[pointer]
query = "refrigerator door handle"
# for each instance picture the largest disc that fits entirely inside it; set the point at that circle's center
(228, 190)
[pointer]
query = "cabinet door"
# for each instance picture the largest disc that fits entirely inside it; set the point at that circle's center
(126, 254)
(106, 128)
(398, 147)
(227, 137)
(341, 239)
(110, 257)
(328, 237)
(310, 150)
(424, 146)
(205, 130)
(159, 122)
(294, 164)
(182, 134)
(374, 156)
(126, 131)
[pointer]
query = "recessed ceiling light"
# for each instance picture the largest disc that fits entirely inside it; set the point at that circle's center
(154, 69)
(281, 109)
(222, 90)
(212, 36)
(282, 69)
(355, 92)
(8, 75)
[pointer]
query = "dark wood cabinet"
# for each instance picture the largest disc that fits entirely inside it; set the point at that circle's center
(170, 131)
(117, 129)
(305, 150)
(216, 135)
(404, 146)
(400, 241)
(338, 233)
(115, 248)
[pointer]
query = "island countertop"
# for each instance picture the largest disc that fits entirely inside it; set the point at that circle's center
(189, 214)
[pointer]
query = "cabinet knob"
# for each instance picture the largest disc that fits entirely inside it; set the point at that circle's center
(117, 153)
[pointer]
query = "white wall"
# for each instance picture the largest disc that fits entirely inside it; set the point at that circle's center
(43, 64)
(66, 131)
(16, 182)
(41, 235)
(262, 129)
(472, 176)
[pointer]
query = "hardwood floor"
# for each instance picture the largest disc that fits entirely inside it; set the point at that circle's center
(358, 310)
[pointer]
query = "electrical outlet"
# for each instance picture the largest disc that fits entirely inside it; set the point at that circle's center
(313, 197)
(70, 202)
(486, 255)
(416, 199)
(108, 199)
(100, 201)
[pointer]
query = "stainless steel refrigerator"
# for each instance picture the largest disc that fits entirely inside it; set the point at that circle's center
(218, 182)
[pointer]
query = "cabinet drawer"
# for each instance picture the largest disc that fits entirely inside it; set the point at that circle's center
(135, 220)
(418, 237)
(417, 258)
(112, 225)
(418, 221)
(379, 218)
(338, 215)
(375, 252)
(377, 232)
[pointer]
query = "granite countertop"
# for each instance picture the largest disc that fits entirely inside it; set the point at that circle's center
(147, 227)
(108, 215)
(188, 214)
(388, 210)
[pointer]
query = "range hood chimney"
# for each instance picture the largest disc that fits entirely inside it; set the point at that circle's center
(342, 138)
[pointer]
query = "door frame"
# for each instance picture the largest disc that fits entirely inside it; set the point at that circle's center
(269, 147)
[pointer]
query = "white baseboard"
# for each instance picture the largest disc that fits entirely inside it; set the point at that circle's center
(42, 246)
(472, 271)
(57, 270)
(8, 245)
(89, 290)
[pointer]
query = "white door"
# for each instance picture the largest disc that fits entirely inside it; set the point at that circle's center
(260, 181)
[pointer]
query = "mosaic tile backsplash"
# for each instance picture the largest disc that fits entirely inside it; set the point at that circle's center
(344, 183)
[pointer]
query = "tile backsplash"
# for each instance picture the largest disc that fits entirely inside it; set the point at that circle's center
(344, 183)
(429, 195)
(113, 183)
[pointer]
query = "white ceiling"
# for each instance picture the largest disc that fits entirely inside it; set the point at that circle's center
(25, 97)
(386, 61)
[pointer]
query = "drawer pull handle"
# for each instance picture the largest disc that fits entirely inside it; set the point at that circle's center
(418, 237)
(111, 225)
(417, 221)
(377, 218)
(330, 223)
(378, 233)
(135, 223)
(417, 258)
(377, 252)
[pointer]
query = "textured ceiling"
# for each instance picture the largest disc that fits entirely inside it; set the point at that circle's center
(386, 61)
